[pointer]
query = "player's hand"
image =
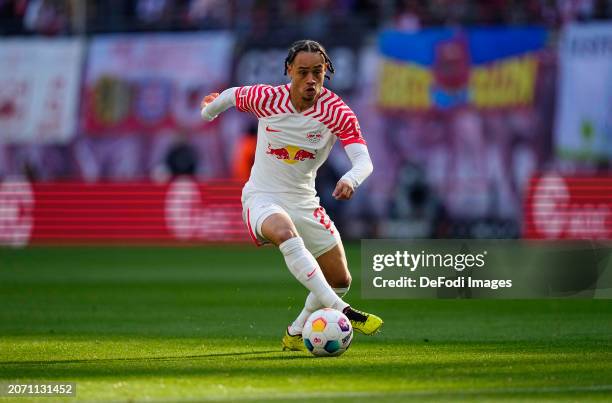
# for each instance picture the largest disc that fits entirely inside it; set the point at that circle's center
(344, 190)
(208, 99)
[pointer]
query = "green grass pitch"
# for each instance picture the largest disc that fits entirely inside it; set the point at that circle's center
(197, 324)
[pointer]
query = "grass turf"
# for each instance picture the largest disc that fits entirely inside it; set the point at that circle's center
(191, 324)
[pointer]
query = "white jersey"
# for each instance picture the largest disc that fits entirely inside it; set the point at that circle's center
(291, 145)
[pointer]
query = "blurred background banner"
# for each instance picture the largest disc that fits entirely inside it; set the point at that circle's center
(584, 114)
(442, 68)
(141, 101)
(153, 83)
(463, 122)
(39, 89)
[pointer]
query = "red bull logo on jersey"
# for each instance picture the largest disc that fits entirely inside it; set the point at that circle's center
(291, 154)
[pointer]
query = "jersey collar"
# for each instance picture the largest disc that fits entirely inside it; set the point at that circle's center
(312, 107)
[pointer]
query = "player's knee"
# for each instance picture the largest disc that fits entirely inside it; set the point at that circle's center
(342, 281)
(346, 281)
(285, 234)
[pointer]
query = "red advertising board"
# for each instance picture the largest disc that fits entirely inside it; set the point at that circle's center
(180, 212)
(568, 207)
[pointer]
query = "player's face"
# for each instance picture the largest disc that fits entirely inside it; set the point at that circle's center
(307, 73)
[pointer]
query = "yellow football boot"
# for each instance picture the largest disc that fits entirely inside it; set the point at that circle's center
(293, 342)
(363, 322)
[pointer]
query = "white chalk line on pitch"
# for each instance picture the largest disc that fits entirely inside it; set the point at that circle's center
(399, 394)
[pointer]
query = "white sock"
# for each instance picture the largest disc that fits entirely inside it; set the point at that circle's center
(305, 268)
(311, 305)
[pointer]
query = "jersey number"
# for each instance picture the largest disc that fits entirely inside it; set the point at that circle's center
(323, 218)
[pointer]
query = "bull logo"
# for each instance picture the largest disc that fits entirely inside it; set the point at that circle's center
(291, 154)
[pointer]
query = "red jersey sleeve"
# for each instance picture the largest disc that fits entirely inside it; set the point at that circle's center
(347, 130)
(243, 99)
(260, 100)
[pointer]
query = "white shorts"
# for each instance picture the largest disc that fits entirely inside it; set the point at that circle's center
(310, 219)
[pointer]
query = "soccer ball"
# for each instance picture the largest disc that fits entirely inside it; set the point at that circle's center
(327, 332)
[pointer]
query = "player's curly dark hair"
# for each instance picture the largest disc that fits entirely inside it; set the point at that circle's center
(308, 45)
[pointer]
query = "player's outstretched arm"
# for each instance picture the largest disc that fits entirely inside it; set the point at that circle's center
(362, 168)
(214, 103)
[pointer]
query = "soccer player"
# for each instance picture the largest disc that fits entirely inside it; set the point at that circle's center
(298, 125)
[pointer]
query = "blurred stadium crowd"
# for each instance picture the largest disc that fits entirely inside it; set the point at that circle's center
(464, 104)
(262, 18)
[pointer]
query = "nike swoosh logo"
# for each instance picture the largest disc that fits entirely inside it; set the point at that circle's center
(311, 273)
(269, 129)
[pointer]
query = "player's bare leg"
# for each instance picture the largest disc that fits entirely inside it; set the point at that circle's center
(335, 269)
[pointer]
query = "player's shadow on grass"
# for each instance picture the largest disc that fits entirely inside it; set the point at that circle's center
(283, 357)
(128, 359)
